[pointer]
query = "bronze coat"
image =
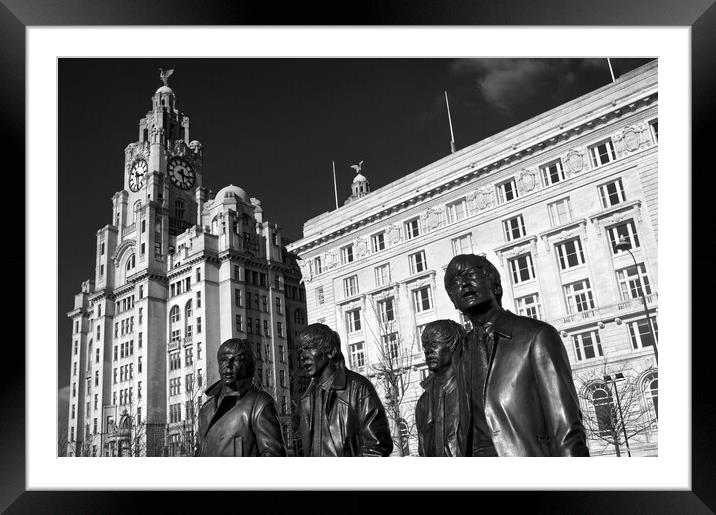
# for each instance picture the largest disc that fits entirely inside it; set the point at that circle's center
(356, 420)
(530, 401)
(250, 428)
(443, 423)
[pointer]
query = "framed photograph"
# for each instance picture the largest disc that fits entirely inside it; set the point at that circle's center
(357, 161)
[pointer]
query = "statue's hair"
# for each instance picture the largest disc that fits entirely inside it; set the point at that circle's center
(463, 262)
(322, 336)
(444, 331)
(235, 344)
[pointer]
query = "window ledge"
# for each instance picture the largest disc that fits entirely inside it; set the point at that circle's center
(524, 241)
(624, 206)
(563, 227)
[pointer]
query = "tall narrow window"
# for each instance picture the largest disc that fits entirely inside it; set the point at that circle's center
(507, 191)
(623, 230)
(514, 228)
(179, 209)
(602, 153)
(522, 268)
(378, 241)
(570, 254)
(417, 262)
(587, 345)
(357, 355)
(317, 268)
(552, 173)
(462, 245)
(320, 298)
(612, 193)
(633, 282)
(579, 297)
(386, 310)
(412, 228)
(353, 320)
(457, 210)
(382, 275)
(640, 333)
(350, 285)
(347, 254)
(423, 299)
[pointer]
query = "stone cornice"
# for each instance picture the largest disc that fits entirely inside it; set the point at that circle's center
(515, 243)
(624, 206)
(473, 166)
(563, 227)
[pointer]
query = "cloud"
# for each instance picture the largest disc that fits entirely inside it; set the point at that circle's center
(508, 84)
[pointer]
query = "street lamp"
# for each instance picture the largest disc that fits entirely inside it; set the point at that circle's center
(625, 244)
(613, 379)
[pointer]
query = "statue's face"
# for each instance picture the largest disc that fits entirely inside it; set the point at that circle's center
(313, 359)
(471, 289)
(232, 366)
(437, 355)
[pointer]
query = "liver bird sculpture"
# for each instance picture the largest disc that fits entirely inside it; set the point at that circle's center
(164, 75)
(357, 167)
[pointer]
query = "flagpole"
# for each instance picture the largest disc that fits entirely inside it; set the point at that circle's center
(452, 136)
(609, 61)
(335, 187)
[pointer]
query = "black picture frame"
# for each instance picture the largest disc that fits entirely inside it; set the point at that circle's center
(17, 15)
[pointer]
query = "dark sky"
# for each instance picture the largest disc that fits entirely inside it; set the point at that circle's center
(272, 126)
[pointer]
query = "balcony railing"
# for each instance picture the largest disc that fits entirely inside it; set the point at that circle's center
(128, 229)
(576, 318)
(619, 309)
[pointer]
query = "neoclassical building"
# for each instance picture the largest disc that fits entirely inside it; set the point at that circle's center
(546, 201)
(178, 271)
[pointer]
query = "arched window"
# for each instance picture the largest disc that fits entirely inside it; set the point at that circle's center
(137, 208)
(603, 409)
(188, 310)
(130, 263)
(651, 391)
(174, 314)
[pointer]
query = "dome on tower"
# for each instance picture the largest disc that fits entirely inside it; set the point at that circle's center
(235, 191)
(166, 90)
(360, 178)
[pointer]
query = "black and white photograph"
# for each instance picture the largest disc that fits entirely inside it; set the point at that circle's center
(412, 243)
(358, 257)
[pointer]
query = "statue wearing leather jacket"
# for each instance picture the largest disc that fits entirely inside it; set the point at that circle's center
(341, 413)
(517, 396)
(238, 419)
(436, 413)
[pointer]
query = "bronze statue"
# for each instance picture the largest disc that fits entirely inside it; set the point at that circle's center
(515, 387)
(436, 413)
(238, 419)
(341, 413)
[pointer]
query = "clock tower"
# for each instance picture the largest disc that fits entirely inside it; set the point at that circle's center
(177, 272)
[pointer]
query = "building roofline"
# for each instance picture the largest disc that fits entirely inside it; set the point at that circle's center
(538, 134)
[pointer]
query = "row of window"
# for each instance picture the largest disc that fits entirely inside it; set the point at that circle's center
(124, 349)
(610, 194)
(175, 357)
(390, 350)
(422, 302)
(123, 327)
(121, 305)
(587, 345)
(633, 283)
(417, 263)
(179, 287)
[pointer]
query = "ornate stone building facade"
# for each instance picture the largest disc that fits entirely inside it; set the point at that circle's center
(178, 271)
(546, 201)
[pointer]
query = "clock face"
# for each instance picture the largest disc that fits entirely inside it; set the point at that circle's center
(136, 174)
(181, 173)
